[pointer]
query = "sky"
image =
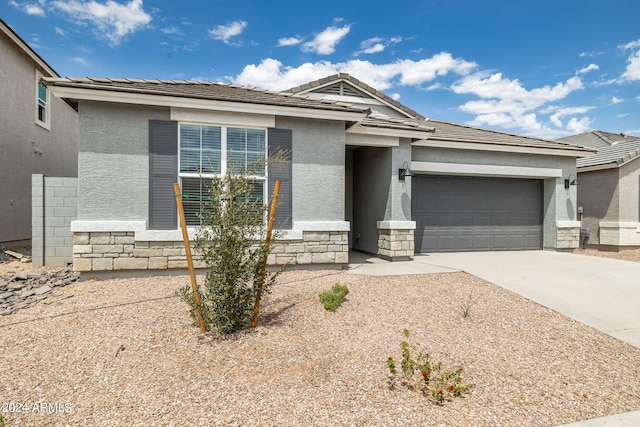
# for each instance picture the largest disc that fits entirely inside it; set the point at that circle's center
(541, 68)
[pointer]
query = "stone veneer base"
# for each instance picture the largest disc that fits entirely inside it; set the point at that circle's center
(110, 251)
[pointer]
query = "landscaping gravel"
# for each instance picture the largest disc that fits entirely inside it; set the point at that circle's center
(125, 353)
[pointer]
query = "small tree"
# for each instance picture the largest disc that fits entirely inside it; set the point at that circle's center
(231, 241)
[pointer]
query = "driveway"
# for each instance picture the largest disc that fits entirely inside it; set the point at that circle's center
(600, 292)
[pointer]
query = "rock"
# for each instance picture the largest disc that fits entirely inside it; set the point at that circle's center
(13, 286)
(21, 276)
(5, 295)
(27, 293)
(42, 290)
(6, 312)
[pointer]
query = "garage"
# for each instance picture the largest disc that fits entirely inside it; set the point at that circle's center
(462, 213)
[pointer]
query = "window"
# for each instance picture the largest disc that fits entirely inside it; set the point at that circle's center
(210, 151)
(43, 107)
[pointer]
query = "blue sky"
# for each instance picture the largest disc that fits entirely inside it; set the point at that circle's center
(542, 68)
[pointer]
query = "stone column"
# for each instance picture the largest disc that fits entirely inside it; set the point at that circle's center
(395, 240)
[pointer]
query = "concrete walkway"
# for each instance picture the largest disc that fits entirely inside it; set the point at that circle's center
(600, 292)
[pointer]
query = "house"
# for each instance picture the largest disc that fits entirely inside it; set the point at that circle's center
(39, 134)
(609, 191)
(365, 172)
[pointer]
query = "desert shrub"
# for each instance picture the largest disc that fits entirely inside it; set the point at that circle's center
(331, 299)
(231, 242)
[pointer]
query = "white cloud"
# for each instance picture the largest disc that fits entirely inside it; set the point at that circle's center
(271, 74)
(576, 126)
(590, 67)
(325, 42)
(507, 104)
(81, 61)
(113, 19)
(172, 31)
(289, 41)
(376, 44)
(226, 32)
(60, 31)
(36, 9)
(633, 67)
(616, 100)
(631, 45)
(563, 112)
(395, 96)
(622, 115)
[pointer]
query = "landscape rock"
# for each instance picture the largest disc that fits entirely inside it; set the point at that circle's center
(22, 290)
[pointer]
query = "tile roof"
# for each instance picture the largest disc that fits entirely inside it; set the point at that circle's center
(346, 77)
(462, 133)
(203, 90)
(614, 155)
(596, 138)
(378, 120)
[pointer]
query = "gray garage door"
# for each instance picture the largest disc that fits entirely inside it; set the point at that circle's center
(476, 214)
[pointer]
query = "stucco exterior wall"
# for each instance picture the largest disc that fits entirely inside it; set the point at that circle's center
(114, 160)
(372, 190)
(598, 195)
(629, 203)
(318, 171)
(27, 148)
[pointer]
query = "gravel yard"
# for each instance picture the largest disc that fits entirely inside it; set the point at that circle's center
(125, 353)
(625, 254)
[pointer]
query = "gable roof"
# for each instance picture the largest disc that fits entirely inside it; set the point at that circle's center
(596, 138)
(613, 156)
(189, 93)
(332, 85)
(13, 36)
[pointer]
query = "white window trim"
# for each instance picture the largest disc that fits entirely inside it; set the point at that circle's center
(223, 156)
(47, 112)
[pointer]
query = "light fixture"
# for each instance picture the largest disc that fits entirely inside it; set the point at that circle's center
(404, 172)
(569, 181)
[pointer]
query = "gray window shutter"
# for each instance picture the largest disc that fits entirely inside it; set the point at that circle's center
(163, 173)
(279, 140)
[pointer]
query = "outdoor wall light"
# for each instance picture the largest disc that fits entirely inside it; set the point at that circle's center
(404, 172)
(569, 181)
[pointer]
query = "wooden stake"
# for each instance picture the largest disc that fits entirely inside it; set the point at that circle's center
(187, 248)
(272, 217)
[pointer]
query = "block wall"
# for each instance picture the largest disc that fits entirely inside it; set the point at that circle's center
(54, 206)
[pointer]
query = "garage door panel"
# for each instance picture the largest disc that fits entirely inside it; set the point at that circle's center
(471, 213)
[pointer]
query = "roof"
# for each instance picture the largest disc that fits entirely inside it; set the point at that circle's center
(200, 90)
(612, 156)
(596, 138)
(27, 49)
(344, 77)
(445, 131)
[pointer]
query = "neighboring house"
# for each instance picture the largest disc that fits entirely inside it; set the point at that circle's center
(609, 190)
(365, 173)
(38, 133)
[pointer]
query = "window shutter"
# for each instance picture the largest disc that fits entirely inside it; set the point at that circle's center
(279, 140)
(163, 172)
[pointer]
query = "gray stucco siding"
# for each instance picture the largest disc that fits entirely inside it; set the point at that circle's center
(114, 161)
(318, 169)
(27, 148)
(629, 177)
(599, 197)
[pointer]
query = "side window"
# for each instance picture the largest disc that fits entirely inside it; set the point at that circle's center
(43, 103)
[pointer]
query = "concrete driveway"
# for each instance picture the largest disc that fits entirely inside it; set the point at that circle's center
(600, 292)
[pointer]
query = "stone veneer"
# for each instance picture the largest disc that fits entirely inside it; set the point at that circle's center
(568, 237)
(395, 244)
(105, 251)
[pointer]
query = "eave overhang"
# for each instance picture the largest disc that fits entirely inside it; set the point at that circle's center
(488, 146)
(162, 100)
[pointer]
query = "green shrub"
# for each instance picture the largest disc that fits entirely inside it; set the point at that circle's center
(332, 298)
(231, 242)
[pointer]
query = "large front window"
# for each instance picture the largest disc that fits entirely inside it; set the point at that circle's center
(210, 151)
